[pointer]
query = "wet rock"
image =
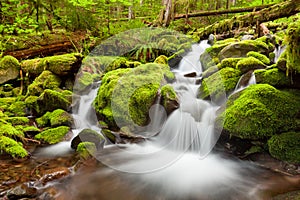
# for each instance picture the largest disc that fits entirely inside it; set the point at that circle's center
(169, 99)
(211, 39)
(190, 75)
(88, 135)
(9, 69)
(54, 174)
(22, 191)
(125, 138)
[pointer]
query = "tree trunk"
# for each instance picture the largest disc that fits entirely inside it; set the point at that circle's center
(277, 11)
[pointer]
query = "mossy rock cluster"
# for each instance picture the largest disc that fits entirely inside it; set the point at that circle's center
(260, 111)
(126, 95)
(56, 118)
(53, 135)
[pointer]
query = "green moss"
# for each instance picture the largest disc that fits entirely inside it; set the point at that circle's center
(12, 147)
(219, 83)
(273, 77)
(133, 91)
(31, 103)
(250, 63)
(8, 130)
(60, 64)
(259, 56)
(17, 120)
(121, 62)
(86, 149)
(227, 41)
(162, 59)
(260, 111)
(46, 80)
(30, 129)
(293, 48)
(56, 118)
(229, 62)
(17, 108)
(53, 135)
(83, 81)
(51, 100)
(285, 147)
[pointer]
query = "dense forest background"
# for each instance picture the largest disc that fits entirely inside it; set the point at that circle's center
(103, 18)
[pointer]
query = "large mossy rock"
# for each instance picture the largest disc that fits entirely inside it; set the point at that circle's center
(261, 111)
(49, 100)
(240, 49)
(219, 84)
(53, 135)
(60, 65)
(250, 63)
(88, 135)
(126, 95)
(293, 48)
(46, 80)
(9, 69)
(285, 146)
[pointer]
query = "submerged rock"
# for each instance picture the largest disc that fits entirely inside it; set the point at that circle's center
(9, 69)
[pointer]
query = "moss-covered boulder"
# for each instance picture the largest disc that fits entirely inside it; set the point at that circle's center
(228, 62)
(285, 147)
(293, 48)
(83, 82)
(250, 63)
(60, 65)
(46, 80)
(264, 59)
(86, 149)
(126, 95)
(9, 69)
(274, 77)
(12, 106)
(88, 135)
(218, 84)
(6, 129)
(49, 100)
(240, 49)
(56, 118)
(169, 98)
(260, 111)
(53, 135)
(17, 120)
(11, 147)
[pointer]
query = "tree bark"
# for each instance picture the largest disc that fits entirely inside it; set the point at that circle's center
(276, 11)
(220, 12)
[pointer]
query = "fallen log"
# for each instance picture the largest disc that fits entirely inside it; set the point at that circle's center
(220, 12)
(42, 51)
(276, 11)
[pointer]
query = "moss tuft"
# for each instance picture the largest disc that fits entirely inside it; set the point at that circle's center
(53, 135)
(86, 149)
(8, 130)
(250, 63)
(56, 118)
(285, 147)
(17, 120)
(259, 56)
(12, 147)
(273, 77)
(228, 62)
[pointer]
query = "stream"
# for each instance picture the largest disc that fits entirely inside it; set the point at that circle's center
(181, 162)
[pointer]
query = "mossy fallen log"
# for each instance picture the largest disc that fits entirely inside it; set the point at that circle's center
(277, 11)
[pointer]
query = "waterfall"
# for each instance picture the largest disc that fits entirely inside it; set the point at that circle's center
(278, 51)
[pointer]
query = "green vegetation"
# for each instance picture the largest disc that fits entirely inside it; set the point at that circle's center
(293, 49)
(12, 147)
(53, 135)
(285, 146)
(260, 111)
(250, 63)
(219, 84)
(273, 77)
(56, 118)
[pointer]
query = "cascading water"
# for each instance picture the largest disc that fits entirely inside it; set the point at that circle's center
(176, 164)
